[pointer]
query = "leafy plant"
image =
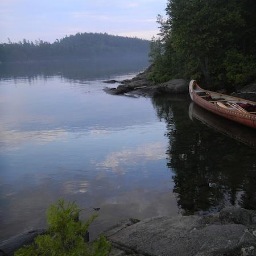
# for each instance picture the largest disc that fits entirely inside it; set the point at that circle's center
(65, 235)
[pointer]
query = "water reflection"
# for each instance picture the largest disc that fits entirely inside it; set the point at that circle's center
(126, 157)
(211, 169)
(76, 70)
(59, 141)
(14, 139)
(63, 138)
(227, 127)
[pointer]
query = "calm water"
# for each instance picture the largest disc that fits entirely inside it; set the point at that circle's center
(61, 136)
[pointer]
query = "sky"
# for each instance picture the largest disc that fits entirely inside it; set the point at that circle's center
(49, 20)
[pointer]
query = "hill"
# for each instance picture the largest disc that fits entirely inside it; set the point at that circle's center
(79, 46)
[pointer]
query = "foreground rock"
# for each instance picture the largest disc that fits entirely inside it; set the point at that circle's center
(231, 232)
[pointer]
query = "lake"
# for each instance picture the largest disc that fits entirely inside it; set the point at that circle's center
(62, 136)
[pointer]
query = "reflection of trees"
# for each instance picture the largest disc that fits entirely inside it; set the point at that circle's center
(73, 69)
(211, 170)
(249, 197)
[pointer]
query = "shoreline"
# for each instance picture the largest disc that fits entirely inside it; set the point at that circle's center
(231, 232)
(141, 86)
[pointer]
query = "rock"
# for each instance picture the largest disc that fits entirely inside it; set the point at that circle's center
(120, 90)
(140, 85)
(246, 95)
(143, 87)
(236, 215)
(111, 81)
(247, 92)
(231, 232)
(220, 235)
(250, 88)
(174, 86)
(9, 246)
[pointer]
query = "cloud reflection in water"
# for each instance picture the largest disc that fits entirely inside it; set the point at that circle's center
(76, 186)
(146, 152)
(14, 139)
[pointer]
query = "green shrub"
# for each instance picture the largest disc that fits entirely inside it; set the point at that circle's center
(65, 235)
(240, 69)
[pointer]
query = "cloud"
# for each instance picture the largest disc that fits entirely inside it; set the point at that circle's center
(22, 18)
(140, 34)
(99, 132)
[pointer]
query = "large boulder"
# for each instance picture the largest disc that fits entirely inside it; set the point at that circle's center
(174, 86)
(232, 232)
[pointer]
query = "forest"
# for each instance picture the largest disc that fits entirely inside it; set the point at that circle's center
(210, 41)
(79, 46)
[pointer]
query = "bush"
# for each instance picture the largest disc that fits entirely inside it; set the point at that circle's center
(240, 69)
(65, 235)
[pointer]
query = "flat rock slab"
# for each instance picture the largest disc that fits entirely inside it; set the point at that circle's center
(187, 236)
(231, 232)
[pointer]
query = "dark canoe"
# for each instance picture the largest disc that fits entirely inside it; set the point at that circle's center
(236, 109)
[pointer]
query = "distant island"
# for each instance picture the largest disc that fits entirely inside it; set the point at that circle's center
(79, 46)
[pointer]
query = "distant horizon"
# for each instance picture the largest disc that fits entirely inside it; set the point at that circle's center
(10, 40)
(81, 45)
(51, 20)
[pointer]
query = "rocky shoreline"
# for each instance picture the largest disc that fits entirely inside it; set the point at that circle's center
(141, 86)
(231, 232)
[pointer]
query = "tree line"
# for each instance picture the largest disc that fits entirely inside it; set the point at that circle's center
(211, 41)
(79, 46)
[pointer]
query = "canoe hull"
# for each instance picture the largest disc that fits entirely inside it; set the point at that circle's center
(244, 118)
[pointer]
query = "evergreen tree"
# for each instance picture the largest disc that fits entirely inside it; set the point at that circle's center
(79, 46)
(205, 40)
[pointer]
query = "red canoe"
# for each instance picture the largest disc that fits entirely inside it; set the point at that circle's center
(236, 109)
